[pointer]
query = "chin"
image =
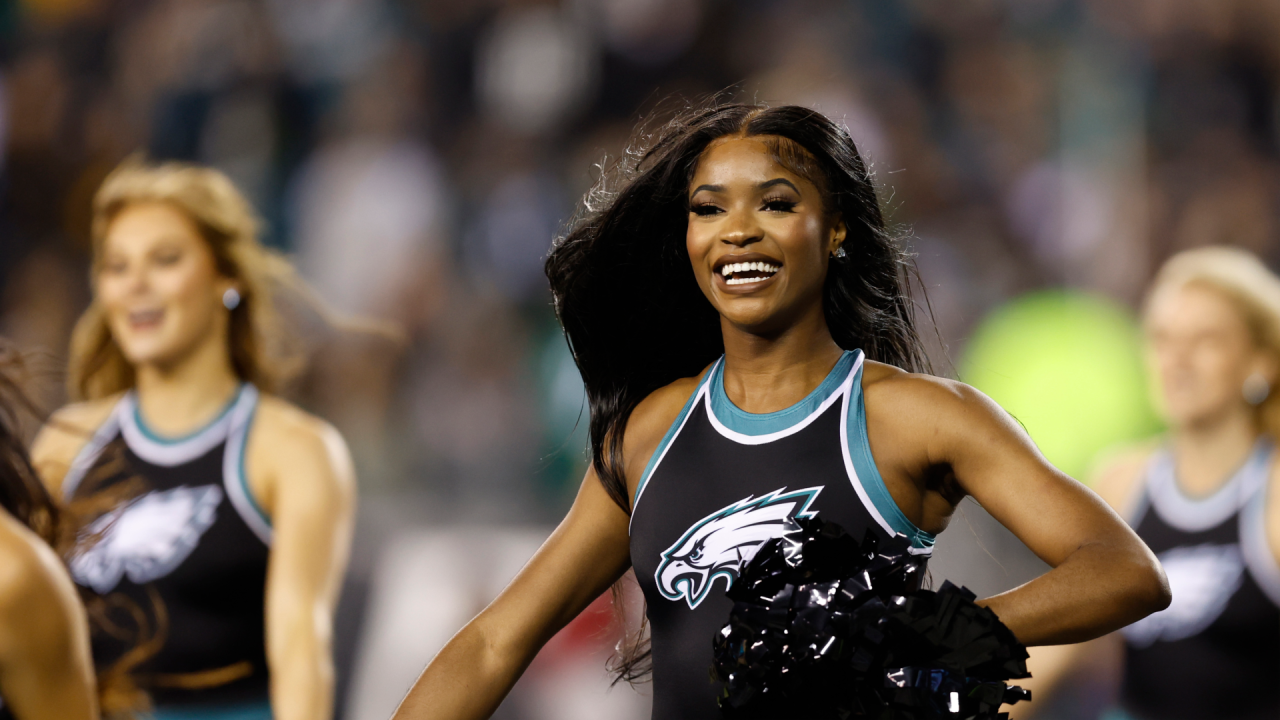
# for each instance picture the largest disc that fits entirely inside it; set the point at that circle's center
(149, 352)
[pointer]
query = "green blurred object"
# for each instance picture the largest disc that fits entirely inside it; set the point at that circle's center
(1068, 366)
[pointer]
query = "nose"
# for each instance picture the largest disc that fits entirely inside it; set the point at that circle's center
(740, 228)
(136, 279)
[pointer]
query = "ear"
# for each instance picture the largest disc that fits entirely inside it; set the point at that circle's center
(1267, 365)
(837, 235)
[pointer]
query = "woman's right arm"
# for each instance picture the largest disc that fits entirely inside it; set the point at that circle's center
(469, 678)
(45, 668)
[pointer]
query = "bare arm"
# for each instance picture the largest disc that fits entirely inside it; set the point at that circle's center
(469, 678)
(312, 502)
(46, 672)
(1117, 483)
(1103, 576)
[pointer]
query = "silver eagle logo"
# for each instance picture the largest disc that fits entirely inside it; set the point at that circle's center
(721, 543)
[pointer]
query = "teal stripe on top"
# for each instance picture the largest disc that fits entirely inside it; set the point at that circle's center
(666, 439)
(869, 475)
(249, 711)
(152, 435)
(741, 421)
(755, 424)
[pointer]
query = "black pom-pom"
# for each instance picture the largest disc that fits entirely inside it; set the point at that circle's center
(824, 627)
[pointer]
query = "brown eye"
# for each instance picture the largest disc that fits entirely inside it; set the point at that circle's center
(704, 209)
(780, 205)
(168, 258)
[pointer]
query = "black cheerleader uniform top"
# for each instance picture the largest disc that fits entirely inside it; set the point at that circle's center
(721, 483)
(1215, 651)
(186, 550)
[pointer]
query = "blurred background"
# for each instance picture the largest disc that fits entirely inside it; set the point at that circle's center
(416, 157)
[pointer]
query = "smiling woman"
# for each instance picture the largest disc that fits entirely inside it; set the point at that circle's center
(229, 534)
(741, 320)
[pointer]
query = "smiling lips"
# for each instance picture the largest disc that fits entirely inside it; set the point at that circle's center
(142, 319)
(744, 273)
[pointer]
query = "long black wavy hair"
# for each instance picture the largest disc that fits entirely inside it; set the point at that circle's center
(22, 493)
(624, 287)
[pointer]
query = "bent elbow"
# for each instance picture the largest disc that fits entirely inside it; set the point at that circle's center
(1150, 589)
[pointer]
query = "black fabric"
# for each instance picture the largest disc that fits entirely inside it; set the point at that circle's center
(704, 475)
(213, 600)
(1228, 671)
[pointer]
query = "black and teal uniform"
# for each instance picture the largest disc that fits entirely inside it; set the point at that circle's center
(187, 548)
(1215, 651)
(722, 482)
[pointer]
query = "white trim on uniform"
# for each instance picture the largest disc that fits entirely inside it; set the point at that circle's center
(1197, 515)
(702, 390)
(166, 453)
(846, 390)
(233, 468)
(742, 439)
(88, 455)
(1255, 545)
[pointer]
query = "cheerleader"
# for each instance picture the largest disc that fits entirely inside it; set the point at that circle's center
(1204, 498)
(741, 319)
(231, 535)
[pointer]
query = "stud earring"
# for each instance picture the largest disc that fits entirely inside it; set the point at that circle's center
(231, 299)
(1256, 389)
(839, 253)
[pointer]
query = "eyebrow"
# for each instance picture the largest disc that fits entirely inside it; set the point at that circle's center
(762, 186)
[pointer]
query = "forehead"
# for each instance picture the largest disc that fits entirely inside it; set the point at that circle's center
(146, 223)
(743, 160)
(1194, 307)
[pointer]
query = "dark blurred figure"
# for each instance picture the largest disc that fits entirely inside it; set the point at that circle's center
(45, 668)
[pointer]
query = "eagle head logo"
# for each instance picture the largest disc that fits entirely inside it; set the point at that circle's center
(722, 542)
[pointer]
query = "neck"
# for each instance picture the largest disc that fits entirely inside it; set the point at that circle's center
(1208, 452)
(766, 373)
(180, 397)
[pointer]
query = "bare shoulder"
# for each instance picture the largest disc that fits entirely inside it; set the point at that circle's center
(65, 434)
(900, 396)
(650, 421)
(1119, 473)
(288, 434)
(36, 594)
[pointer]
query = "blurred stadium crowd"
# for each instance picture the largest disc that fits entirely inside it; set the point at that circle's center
(416, 157)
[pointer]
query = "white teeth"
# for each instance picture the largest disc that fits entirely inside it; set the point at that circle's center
(744, 281)
(732, 268)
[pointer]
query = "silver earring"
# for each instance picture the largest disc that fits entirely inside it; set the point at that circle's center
(839, 253)
(231, 299)
(1256, 389)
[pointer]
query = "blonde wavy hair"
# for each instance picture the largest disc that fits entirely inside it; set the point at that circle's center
(261, 351)
(1240, 277)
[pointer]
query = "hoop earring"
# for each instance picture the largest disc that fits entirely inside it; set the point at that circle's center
(839, 253)
(231, 299)
(1256, 389)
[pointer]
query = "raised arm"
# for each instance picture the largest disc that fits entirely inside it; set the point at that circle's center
(311, 502)
(469, 678)
(1103, 576)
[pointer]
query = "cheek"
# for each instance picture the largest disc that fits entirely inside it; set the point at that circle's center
(110, 290)
(698, 240)
(187, 284)
(801, 240)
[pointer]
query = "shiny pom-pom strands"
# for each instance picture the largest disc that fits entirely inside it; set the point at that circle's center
(826, 628)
